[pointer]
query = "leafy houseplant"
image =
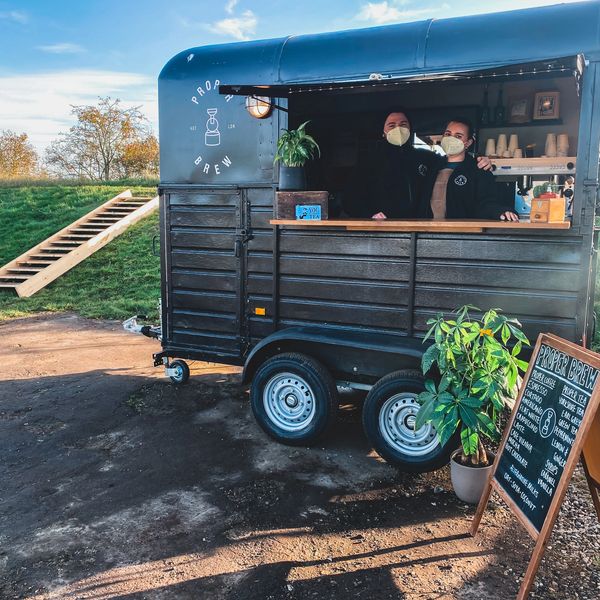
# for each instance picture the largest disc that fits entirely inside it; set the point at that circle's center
(294, 148)
(478, 378)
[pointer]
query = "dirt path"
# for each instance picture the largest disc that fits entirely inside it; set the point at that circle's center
(116, 484)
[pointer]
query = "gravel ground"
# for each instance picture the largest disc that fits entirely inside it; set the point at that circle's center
(116, 484)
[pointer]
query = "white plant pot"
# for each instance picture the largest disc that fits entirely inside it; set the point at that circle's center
(469, 482)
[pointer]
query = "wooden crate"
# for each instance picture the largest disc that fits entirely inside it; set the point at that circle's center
(548, 210)
(286, 203)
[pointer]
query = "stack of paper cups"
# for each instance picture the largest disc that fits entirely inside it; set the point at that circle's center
(563, 145)
(501, 146)
(513, 144)
(518, 153)
(490, 147)
(550, 150)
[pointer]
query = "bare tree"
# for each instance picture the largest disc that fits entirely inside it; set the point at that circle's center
(18, 158)
(94, 147)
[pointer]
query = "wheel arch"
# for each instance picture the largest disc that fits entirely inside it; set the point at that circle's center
(357, 356)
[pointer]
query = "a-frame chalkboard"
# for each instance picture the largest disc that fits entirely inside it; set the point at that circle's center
(550, 422)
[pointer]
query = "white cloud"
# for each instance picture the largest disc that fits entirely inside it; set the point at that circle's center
(239, 28)
(380, 13)
(62, 48)
(39, 104)
(14, 15)
(230, 5)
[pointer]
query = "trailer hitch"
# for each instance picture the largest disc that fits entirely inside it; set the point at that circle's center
(133, 326)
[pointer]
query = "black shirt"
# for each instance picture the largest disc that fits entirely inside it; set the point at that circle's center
(471, 193)
(390, 180)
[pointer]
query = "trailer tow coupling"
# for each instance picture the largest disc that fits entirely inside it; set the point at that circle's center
(133, 326)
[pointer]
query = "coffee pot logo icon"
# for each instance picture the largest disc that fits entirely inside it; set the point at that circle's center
(212, 137)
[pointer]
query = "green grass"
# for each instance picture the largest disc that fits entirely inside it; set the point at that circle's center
(118, 281)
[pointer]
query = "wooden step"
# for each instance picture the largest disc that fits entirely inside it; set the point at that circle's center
(25, 270)
(8, 285)
(50, 252)
(17, 278)
(79, 236)
(86, 230)
(64, 242)
(36, 262)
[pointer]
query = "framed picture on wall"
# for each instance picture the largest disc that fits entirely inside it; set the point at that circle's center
(546, 106)
(519, 110)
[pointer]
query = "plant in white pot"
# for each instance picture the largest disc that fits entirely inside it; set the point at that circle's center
(294, 148)
(477, 380)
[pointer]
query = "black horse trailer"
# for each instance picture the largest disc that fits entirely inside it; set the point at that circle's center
(309, 306)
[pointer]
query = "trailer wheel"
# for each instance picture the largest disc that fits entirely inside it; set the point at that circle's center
(293, 398)
(389, 413)
(182, 372)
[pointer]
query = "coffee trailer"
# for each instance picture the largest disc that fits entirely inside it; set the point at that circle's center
(309, 306)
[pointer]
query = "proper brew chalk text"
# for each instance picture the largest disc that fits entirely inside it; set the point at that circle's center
(543, 431)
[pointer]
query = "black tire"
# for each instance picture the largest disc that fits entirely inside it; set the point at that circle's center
(415, 455)
(183, 372)
(293, 399)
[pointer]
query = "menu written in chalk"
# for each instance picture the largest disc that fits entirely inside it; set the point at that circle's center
(544, 428)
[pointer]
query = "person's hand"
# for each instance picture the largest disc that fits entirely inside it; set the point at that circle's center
(379, 215)
(483, 162)
(509, 216)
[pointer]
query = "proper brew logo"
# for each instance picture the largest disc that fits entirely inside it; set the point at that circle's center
(460, 180)
(422, 170)
(213, 130)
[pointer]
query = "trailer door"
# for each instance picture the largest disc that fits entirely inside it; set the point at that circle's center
(202, 279)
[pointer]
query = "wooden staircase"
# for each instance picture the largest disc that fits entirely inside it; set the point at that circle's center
(47, 261)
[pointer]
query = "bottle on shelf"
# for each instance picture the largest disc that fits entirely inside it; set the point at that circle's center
(499, 112)
(485, 120)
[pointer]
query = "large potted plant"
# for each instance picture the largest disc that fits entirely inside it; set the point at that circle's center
(476, 370)
(294, 148)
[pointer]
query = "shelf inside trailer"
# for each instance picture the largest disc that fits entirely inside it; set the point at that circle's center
(418, 225)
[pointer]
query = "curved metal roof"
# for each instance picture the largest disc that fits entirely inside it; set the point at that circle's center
(434, 46)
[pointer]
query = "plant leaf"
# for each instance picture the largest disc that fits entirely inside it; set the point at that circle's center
(470, 441)
(429, 358)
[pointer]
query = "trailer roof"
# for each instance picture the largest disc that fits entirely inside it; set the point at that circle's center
(470, 43)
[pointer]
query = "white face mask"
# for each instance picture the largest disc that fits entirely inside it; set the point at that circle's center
(452, 146)
(398, 136)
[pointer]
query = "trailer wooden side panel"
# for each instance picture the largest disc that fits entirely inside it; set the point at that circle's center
(202, 289)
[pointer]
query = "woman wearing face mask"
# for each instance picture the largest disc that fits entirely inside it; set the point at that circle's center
(395, 174)
(456, 188)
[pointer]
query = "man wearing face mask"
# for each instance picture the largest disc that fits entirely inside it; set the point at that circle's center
(396, 173)
(456, 188)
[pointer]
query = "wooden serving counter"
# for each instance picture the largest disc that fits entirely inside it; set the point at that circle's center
(418, 225)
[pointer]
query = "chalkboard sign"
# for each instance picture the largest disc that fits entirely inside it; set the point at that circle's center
(553, 403)
(554, 412)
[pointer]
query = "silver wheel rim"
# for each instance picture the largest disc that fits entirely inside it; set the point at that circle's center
(289, 402)
(178, 373)
(396, 424)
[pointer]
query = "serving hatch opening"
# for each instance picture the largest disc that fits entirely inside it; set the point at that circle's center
(346, 118)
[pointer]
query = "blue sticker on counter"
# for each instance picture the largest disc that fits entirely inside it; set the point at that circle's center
(308, 212)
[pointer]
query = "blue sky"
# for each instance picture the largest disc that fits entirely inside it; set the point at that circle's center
(54, 53)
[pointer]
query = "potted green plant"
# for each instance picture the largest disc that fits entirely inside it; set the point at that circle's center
(477, 380)
(294, 148)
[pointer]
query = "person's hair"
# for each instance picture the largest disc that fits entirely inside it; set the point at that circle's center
(400, 109)
(466, 122)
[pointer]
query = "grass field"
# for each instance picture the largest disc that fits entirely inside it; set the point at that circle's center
(120, 280)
